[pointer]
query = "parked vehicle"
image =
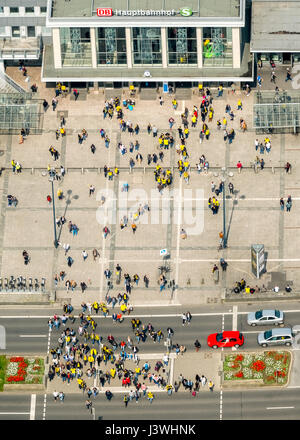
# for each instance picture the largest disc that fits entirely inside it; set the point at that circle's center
(265, 317)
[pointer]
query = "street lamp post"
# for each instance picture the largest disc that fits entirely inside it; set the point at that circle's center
(52, 174)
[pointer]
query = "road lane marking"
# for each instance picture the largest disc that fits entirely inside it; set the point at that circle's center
(172, 315)
(280, 407)
(221, 405)
(179, 223)
(234, 321)
(253, 331)
(49, 340)
(13, 413)
(44, 407)
(171, 378)
(32, 336)
(32, 407)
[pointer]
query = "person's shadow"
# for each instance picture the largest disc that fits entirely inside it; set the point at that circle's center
(68, 202)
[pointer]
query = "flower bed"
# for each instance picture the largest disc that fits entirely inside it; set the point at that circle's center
(272, 367)
(3, 364)
(24, 371)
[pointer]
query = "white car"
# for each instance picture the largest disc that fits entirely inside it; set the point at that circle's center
(265, 317)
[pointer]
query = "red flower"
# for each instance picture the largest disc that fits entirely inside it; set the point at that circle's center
(239, 374)
(15, 378)
(16, 359)
(239, 358)
(258, 366)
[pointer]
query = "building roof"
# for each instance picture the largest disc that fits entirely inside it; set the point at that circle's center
(115, 73)
(200, 8)
(275, 26)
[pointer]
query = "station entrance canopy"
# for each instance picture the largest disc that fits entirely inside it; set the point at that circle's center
(277, 111)
(17, 108)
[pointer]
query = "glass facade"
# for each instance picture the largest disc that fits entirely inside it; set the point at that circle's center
(111, 47)
(146, 44)
(75, 47)
(217, 47)
(182, 46)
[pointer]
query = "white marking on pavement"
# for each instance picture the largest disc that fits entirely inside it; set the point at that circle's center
(44, 408)
(32, 336)
(280, 407)
(49, 339)
(172, 315)
(172, 371)
(221, 405)
(223, 319)
(32, 406)
(13, 413)
(179, 221)
(234, 318)
(206, 260)
(254, 331)
(234, 321)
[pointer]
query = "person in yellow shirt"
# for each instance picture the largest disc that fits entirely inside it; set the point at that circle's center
(59, 194)
(224, 123)
(207, 133)
(194, 121)
(117, 171)
(186, 165)
(93, 352)
(112, 373)
(186, 133)
(239, 105)
(91, 360)
(186, 177)
(123, 308)
(247, 289)
(150, 396)
(210, 116)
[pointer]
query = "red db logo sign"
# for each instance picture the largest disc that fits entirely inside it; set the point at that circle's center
(104, 12)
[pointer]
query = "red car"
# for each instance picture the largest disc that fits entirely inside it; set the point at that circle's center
(225, 339)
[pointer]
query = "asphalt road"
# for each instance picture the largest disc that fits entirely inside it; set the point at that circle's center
(30, 335)
(264, 404)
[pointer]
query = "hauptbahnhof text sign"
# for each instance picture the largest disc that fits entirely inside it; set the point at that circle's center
(109, 12)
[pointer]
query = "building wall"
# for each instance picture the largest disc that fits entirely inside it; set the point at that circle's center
(9, 20)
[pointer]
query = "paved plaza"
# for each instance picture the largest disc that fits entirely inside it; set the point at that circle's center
(252, 214)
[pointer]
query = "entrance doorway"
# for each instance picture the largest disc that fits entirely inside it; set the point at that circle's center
(286, 57)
